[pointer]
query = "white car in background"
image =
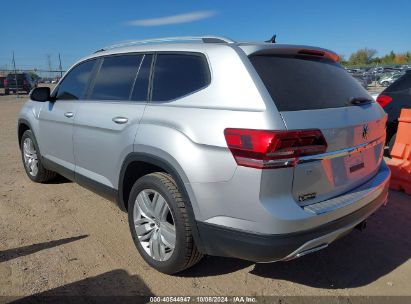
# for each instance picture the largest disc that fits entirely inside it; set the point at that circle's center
(386, 81)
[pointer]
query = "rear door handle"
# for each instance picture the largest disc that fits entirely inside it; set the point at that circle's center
(120, 120)
(69, 114)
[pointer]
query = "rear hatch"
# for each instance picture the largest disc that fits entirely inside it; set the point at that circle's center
(312, 91)
(11, 80)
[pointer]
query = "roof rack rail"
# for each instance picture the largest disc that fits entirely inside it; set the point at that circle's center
(203, 39)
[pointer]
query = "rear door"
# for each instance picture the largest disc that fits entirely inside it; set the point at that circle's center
(106, 123)
(55, 136)
(312, 91)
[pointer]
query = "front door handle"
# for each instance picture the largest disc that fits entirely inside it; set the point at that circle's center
(120, 120)
(69, 114)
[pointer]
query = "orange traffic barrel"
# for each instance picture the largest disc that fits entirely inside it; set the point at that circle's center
(400, 162)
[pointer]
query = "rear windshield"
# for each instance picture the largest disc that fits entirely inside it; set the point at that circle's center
(298, 82)
(402, 83)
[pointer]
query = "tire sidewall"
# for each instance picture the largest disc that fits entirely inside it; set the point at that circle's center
(177, 260)
(29, 134)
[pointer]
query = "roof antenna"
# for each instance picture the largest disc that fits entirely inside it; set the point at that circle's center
(272, 40)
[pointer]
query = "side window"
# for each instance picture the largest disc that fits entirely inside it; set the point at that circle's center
(115, 78)
(140, 89)
(74, 84)
(176, 75)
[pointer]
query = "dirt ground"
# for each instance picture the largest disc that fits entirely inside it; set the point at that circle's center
(61, 239)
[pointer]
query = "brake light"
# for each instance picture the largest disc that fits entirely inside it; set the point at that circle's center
(273, 149)
(6, 83)
(384, 100)
(328, 55)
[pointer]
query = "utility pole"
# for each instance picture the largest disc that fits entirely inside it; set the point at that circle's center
(60, 68)
(15, 76)
(49, 64)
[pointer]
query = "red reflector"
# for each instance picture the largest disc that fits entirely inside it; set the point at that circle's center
(273, 149)
(384, 100)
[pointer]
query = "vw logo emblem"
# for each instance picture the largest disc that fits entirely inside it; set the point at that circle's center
(365, 131)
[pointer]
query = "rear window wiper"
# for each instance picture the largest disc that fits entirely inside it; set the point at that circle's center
(359, 101)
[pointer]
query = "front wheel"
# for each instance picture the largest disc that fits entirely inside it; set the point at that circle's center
(32, 159)
(385, 83)
(159, 224)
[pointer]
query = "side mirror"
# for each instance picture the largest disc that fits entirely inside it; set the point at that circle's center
(41, 94)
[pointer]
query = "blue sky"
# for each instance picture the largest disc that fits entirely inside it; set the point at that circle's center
(77, 28)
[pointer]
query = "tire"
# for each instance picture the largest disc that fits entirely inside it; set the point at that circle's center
(385, 83)
(155, 187)
(6, 92)
(29, 154)
(391, 144)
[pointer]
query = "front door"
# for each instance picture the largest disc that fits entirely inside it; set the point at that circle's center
(56, 119)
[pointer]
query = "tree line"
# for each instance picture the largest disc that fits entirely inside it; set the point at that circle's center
(366, 56)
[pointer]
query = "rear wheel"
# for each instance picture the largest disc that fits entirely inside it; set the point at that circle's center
(159, 224)
(6, 92)
(32, 159)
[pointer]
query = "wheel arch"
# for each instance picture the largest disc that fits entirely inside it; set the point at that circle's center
(22, 126)
(147, 163)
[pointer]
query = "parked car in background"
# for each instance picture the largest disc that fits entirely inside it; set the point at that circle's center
(2, 81)
(387, 80)
(362, 80)
(24, 83)
(394, 98)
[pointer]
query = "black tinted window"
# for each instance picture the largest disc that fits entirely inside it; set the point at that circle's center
(140, 89)
(116, 77)
(305, 83)
(75, 83)
(19, 76)
(402, 83)
(176, 75)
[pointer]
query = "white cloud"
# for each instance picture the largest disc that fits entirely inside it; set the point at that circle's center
(174, 19)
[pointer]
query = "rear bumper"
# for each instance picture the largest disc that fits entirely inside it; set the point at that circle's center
(222, 241)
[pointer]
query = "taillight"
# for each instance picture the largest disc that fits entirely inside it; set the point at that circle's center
(273, 149)
(6, 83)
(384, 100)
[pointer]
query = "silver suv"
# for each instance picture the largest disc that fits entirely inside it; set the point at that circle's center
(259, 151)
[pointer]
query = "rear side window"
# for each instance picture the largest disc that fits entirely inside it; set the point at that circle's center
(176, 75)
(115, 78)
(74, 84)
(401, 84)
(298, 82)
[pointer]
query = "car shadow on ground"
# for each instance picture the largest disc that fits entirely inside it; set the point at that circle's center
(10, 254)
(59, 179)
(115, 286)
(355, 260)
